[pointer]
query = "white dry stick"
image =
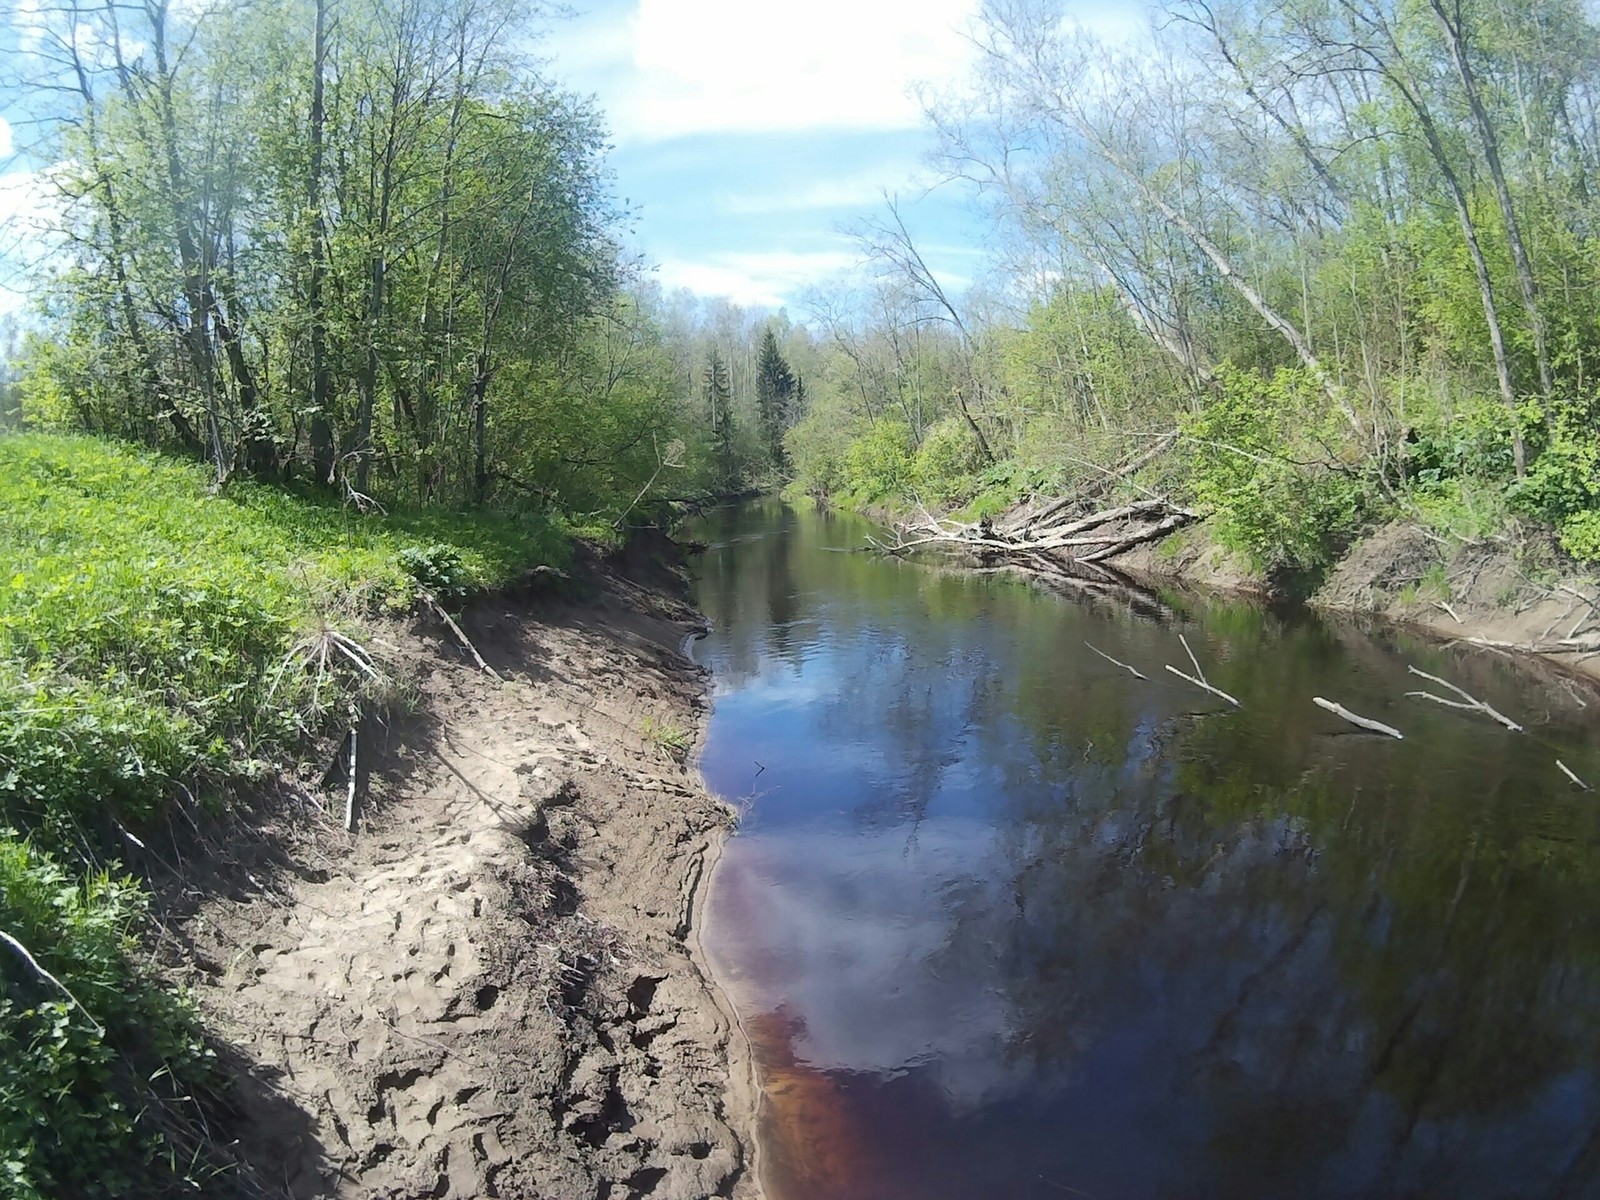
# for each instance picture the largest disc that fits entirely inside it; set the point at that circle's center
(1199, 676)
(1363, 722)
(462, 637)
(1445, 605)
(1468, 701)
(45, 975)
(350, 787)
(1567, 771)
(1203, 685)
(1118, 662)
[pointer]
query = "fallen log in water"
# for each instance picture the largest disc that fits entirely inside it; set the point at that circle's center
(1087, 538)
(1359, 721)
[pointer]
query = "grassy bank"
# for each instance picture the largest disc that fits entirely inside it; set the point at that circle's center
(161, 644)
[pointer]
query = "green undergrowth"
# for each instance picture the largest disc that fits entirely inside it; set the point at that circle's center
(159, 639)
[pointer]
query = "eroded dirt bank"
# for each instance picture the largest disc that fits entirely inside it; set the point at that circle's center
(1478, 594)
(489, 990)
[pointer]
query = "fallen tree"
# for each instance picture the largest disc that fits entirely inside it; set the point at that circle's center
(1055, 531)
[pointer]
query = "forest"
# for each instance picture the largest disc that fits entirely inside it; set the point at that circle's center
(1341, 251)
(358, 267)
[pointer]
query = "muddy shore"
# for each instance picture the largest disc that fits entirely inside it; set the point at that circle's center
(492, 987)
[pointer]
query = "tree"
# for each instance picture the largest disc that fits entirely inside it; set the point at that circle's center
(775, 394)
(719, 403)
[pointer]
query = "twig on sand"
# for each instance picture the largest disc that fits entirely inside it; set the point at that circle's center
(1118, 662)
(1468, 701)
(1363, 722)
(462, 637)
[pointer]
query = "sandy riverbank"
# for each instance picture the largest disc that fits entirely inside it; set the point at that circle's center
(491, 989)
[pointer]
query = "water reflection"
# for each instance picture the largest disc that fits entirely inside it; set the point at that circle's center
(1007, 921)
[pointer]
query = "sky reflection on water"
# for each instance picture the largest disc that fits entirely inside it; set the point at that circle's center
(1003, 920)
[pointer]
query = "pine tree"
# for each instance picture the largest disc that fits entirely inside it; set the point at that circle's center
(719, 400)
(775, 394)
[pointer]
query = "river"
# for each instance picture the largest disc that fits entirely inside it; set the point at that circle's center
(1003, 920)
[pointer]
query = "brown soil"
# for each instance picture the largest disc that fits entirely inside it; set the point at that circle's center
(1477, 593)
(490, 989)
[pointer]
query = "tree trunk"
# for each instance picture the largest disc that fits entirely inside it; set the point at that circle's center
(322, 454)
(1455, 37)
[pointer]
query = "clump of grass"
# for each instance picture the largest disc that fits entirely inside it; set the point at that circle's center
(668, 737)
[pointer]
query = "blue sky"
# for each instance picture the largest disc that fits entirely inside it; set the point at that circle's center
(749, 134)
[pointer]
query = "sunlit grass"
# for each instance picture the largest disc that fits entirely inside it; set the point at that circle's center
(145, 622)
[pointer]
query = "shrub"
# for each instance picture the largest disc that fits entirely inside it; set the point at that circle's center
(1285, 516)
(878, 464)
(438, 570)
(947, 463)
(86, 1093)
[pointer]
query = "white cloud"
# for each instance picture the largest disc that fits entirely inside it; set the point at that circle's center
(29, 210)
(863, 190)
(703, 66)
(768, 279)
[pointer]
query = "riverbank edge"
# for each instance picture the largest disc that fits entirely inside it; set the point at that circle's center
(1472, 593)
(642, 1067)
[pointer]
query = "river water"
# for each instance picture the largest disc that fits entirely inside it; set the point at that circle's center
(1004, 921)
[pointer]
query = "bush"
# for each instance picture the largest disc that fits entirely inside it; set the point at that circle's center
(947, 463)
(1472, 443)
(86, 1093)
(438, 570)
(878, 464)
(1285, 517)
(1580, 536)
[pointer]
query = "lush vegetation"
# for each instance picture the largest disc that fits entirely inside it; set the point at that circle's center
(1344, 250)
(160, 643)
(350, 295)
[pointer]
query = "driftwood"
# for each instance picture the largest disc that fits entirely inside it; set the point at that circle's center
(1468, 702)
(1118, 662)
(1199, 677)
(1362, 722)
(1567, 771)
(1085, 539)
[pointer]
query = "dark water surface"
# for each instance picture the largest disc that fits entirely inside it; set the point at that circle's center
(1005, 921)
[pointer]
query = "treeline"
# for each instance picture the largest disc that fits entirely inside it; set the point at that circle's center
(366, 246)
(1346, 247)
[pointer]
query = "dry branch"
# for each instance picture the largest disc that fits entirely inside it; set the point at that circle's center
(1567, 771)
(1468, 701)
(350, 786)
(1118, 662)
(1363, 722)
(1203, 685)
(462, 637)
(1088, 538)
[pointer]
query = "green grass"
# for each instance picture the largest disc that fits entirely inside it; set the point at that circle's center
(146, 624)
(157, 639)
